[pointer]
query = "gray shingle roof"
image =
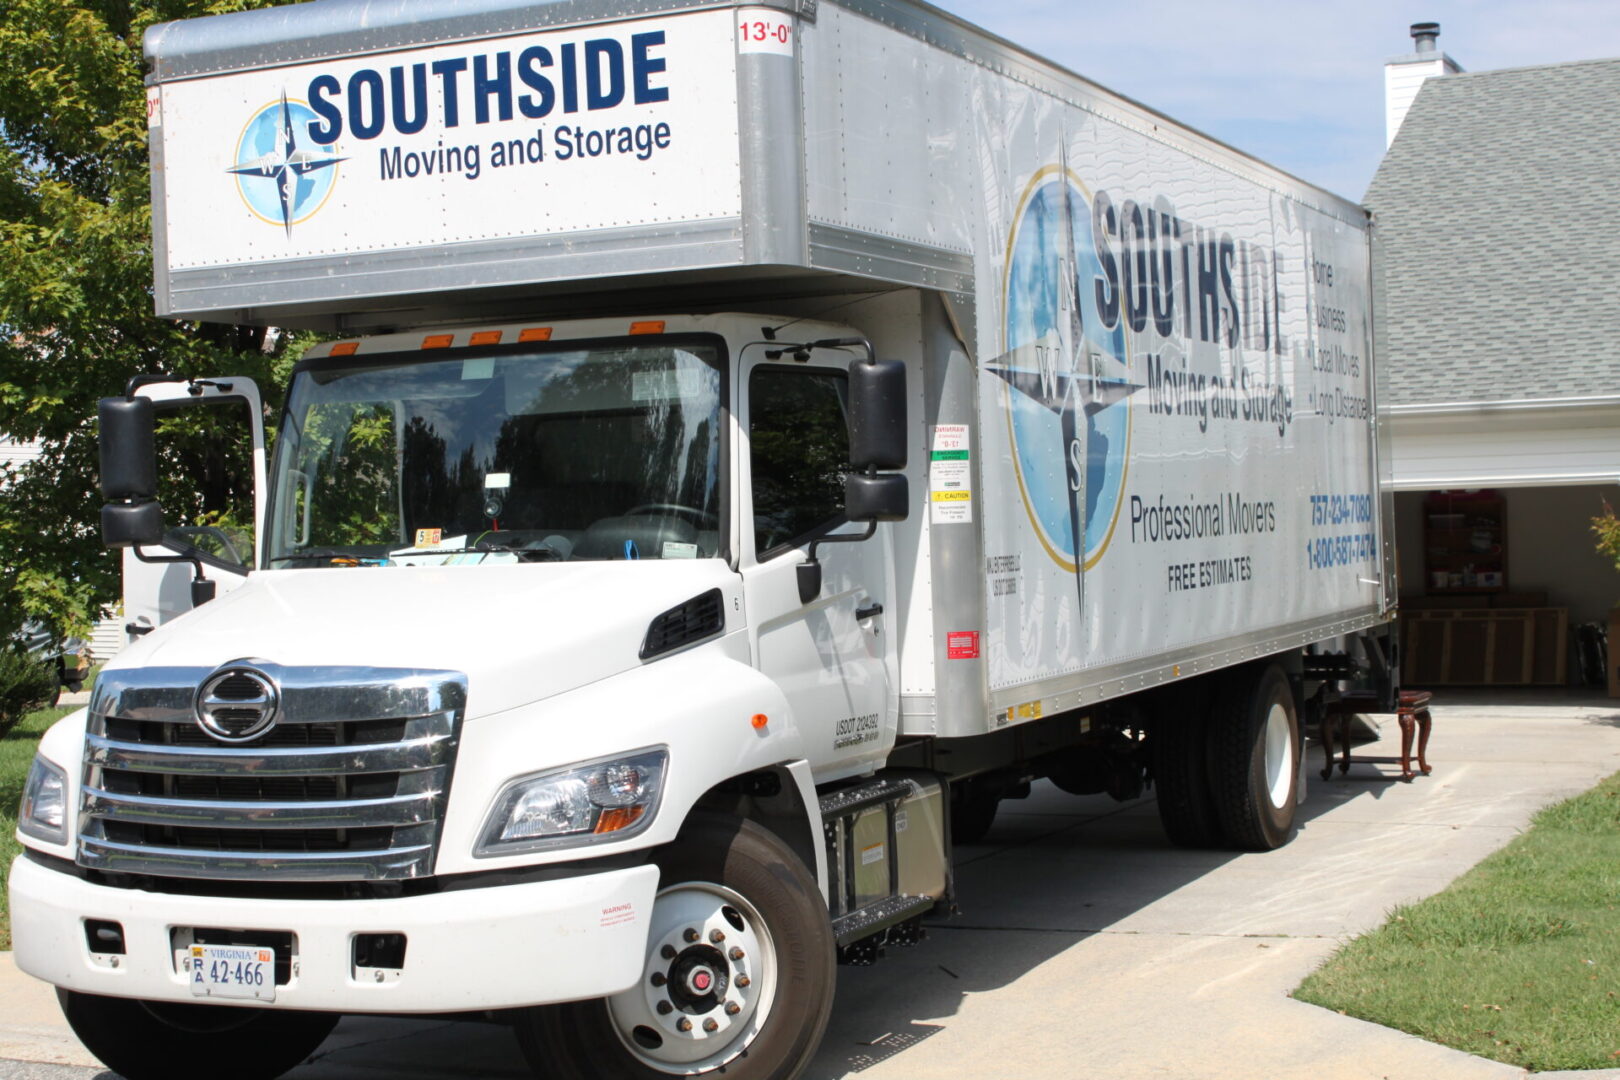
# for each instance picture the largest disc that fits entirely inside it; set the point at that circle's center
(1498, 207)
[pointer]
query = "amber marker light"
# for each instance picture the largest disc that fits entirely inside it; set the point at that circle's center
(438, 341)
(759, 721)
(617, 818)
(652, 326)
(535, 333)
(345, 348)
(485, 337)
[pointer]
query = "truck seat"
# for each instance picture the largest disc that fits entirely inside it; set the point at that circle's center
(607, 538)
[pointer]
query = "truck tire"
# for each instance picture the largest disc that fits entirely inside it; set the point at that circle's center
(1180, 758)
(1254, 758)
(150, 1040)
(773, 959)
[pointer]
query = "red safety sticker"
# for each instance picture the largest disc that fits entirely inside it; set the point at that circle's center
(962, 645)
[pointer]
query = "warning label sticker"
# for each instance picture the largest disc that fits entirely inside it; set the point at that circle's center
(950, 476)
(962, 645)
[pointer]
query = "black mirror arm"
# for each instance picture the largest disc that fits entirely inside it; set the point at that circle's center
(809, 571)
(194, 386)
(202, 589)
(848, 343)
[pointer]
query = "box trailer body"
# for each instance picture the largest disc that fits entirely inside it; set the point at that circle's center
(618, 274)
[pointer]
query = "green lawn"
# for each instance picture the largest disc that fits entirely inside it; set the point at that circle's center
(1519, 960)
(16, 752)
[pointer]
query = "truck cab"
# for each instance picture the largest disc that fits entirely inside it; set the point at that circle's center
(558, 570)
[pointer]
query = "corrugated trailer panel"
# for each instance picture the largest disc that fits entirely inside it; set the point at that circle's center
(1173, 373)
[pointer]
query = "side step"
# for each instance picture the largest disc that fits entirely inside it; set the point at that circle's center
(887, 855)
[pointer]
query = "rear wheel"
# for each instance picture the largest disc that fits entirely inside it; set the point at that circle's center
(1180, 756)
(738, 977)
(152, 1040)
(1254, 758)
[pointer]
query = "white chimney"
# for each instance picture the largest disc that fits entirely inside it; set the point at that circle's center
(1404, 75)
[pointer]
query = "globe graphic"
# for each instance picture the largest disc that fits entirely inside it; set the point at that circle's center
(1048, 274)
(262, 151)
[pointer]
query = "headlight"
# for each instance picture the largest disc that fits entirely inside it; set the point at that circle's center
(44, 803)
(601, 800)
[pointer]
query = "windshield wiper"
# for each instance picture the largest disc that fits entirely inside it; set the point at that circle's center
(527, 551)
(336, 558)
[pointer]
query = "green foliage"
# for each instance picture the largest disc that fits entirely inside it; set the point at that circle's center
(1516, 961)
(75, 300)
(356, 498)
(26, 683)
(1606, 527)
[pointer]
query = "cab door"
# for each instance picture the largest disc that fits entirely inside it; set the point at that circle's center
(831, 654)
(212, 518)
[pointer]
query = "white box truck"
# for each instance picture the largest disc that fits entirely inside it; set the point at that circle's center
(754, 440)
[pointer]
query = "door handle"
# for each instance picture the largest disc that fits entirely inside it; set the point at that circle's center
(864, 613)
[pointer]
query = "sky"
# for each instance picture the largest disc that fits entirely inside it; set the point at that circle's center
(1297, 83)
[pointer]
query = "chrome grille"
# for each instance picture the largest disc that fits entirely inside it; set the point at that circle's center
(349, 785)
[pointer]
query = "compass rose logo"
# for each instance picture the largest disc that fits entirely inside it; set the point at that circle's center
(281, 182)
(1067, 375)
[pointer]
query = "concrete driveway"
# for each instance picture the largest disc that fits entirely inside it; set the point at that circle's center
(1088, 947)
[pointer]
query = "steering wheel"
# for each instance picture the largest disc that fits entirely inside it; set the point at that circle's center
(706, 516)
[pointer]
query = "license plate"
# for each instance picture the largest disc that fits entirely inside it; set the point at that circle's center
(233, 971)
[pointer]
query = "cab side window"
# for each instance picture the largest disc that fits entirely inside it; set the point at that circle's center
(798, 442)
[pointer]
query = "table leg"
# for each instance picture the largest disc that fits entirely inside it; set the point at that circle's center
(1424, 723)
(1406, 744)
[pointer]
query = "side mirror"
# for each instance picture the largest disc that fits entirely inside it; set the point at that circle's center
(809, 573)
(128, 454)
(879, 497)
(132, 516)
(877, 415)
(131, 524)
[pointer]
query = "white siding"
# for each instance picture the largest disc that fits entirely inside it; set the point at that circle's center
(1528, 446)
(108, 638)
(1402, 80)
(17, 453)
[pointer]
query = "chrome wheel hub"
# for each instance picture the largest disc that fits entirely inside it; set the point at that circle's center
(707, 985)
(1279, 756)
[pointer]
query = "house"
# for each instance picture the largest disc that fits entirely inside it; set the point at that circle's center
(1496, 264)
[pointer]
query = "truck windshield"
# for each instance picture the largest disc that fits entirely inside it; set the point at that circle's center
(608, 451)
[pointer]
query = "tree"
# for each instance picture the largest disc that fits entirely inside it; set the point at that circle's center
(76, 305)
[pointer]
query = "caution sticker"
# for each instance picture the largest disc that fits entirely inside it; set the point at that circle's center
(950, 476)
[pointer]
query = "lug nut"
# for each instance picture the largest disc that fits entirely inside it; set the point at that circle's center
(690, 934)
(665, 1008)
(743, 980)
(658, 978)
(716, 936)
(711, 1024)
(735, 953)
(732, 1008)
(667, 952)
(683, 1024)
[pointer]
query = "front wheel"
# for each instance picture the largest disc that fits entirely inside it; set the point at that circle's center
(738, 976)
(152, 1040)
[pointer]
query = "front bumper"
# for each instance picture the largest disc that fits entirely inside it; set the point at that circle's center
(565, 939)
